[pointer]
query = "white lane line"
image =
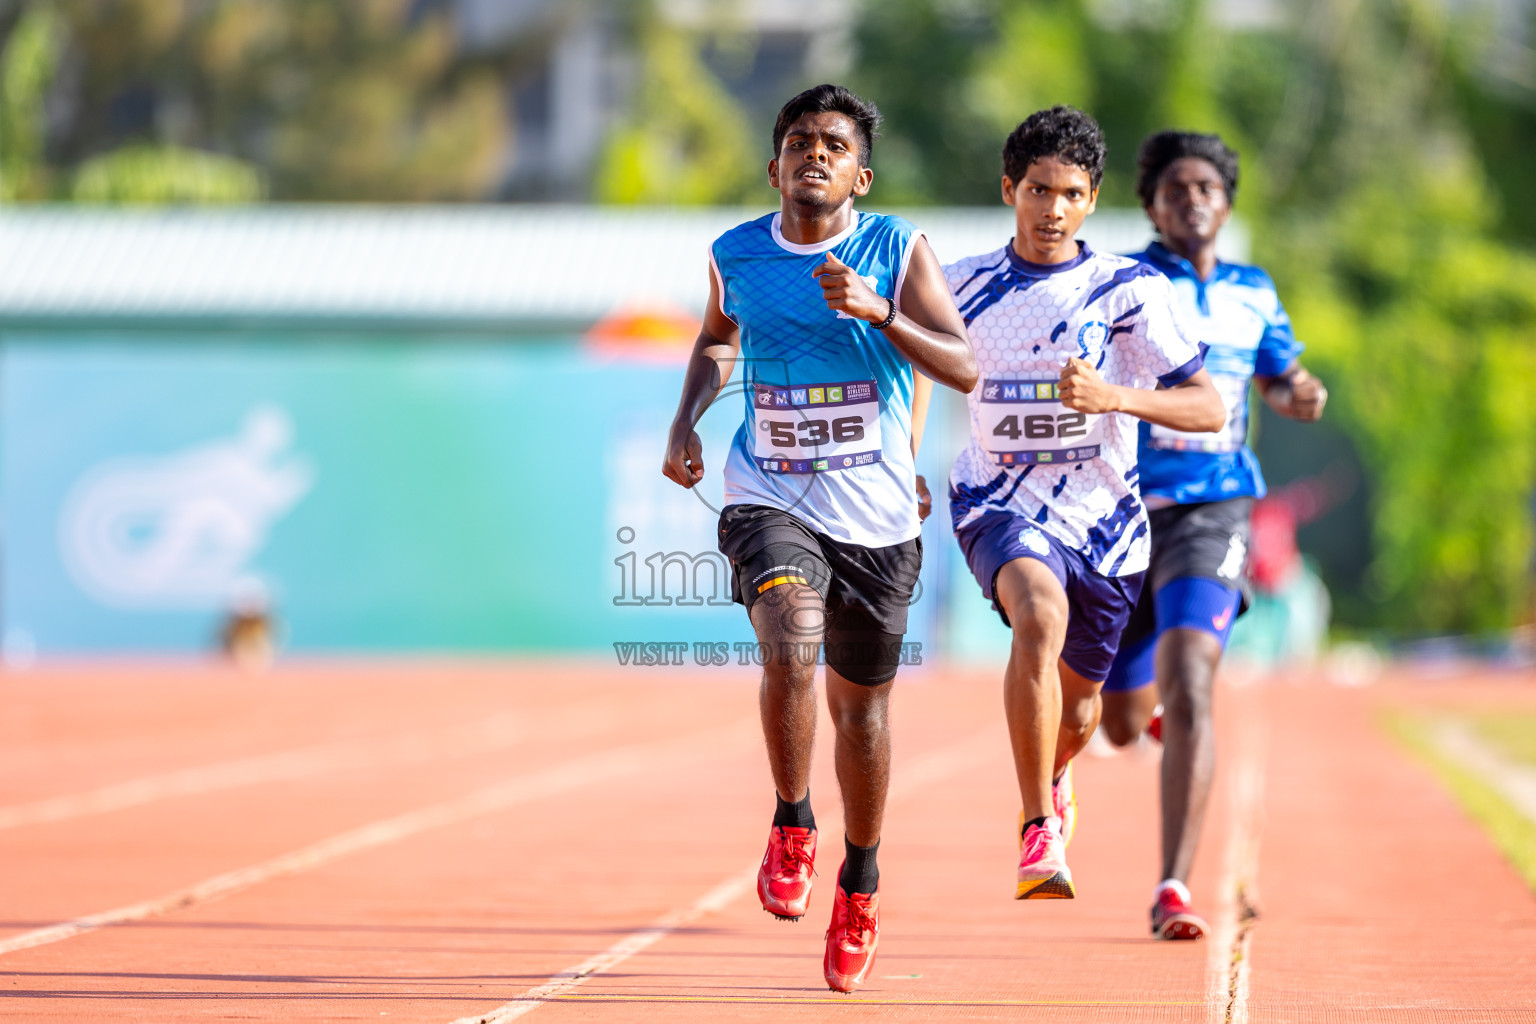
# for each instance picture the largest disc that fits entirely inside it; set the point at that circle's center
(718, 898)
(936, 766)
(492, 734)
(1516, 783)
(1229, 956)
(562, 778)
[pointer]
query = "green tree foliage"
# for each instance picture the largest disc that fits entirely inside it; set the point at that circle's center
(182, 100)
(165, 174)
(138, 173)
(27, 64)
(1425, 325)
(683, 140)
(1424, 318)
(917, 60)
(953, 77)
(1380, 172)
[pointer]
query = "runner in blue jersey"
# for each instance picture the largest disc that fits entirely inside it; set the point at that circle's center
(1074, 347)
(829, 310)
(1200, 488)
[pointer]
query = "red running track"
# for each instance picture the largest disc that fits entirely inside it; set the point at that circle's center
(439, 842)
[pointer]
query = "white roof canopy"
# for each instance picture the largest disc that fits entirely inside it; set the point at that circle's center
(446, 263)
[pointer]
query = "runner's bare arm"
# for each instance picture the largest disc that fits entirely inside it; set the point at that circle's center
(709, 368)
(1295, 394)
(1192, 405)
(922, 391)
(927, 330)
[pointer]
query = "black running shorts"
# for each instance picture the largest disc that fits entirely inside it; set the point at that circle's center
(866, 591)
(1207, 540)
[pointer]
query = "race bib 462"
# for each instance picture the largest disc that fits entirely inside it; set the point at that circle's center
(1024, 422)
(815, 428)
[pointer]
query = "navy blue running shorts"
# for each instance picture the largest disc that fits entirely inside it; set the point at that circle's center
(1098, 606)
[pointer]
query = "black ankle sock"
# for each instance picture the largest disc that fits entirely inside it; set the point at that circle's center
(1031, 821)
(795, 815)
(860, 872)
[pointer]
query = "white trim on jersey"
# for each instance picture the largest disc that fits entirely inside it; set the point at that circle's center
(714, 268)
(906, 261)
(811, 250)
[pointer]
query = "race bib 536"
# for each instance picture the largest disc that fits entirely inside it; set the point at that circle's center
(815, 428)
(1024, 422)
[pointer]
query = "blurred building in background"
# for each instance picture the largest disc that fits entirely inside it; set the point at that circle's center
(1386, 152)
(581, 78)
(416, 429)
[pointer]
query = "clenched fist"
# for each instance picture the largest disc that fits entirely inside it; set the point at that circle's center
(1308, 396)
(1083, 390)
(847, 292)
(684, 462)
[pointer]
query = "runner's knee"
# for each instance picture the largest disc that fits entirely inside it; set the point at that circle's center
(1127, 712)
(1036, 607)
(1077, 715)
(791, 665)
(1119, 733)
(857, 711)
(1039, 627)
(1120, 726)
(1187, 670)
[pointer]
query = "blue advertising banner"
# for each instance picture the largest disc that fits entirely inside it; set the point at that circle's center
(382, 493)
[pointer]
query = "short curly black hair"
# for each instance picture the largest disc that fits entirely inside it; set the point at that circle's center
(1063, 132)
(823, 99)
(1159, 151)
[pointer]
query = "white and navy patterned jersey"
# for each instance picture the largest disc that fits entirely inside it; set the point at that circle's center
(1072, 475)
(827, 435)
(1238, 315)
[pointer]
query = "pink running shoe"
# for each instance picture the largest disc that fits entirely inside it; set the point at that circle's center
(784, 880)
(1172, 917)
(1043, 871)
(851, 939)
(1064, 803)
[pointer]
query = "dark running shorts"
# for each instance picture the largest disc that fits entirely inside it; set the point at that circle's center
(1097, 606)
(866, 591)
(1196, 581)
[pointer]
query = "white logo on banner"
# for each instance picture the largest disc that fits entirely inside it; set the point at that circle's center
(178, 531)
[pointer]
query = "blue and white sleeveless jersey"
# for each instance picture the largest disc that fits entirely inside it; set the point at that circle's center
(1071, 474)
(828, 430)
(1238, 315)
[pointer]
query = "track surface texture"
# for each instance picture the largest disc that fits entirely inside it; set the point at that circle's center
(442, 842)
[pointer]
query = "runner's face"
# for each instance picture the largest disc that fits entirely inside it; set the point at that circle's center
(1049, 205)
(1190, 204)
(818, 162)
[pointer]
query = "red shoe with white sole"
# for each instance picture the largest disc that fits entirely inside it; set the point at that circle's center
(1172, 917)
(784, 880)
(851, 939)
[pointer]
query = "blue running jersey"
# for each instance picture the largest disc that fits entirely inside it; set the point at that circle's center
(827, 435)
(1238, 315)
(1070, 474)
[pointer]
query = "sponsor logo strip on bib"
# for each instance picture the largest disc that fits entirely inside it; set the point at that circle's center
(815, 428)
(1023, 423)
(1233, 389)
